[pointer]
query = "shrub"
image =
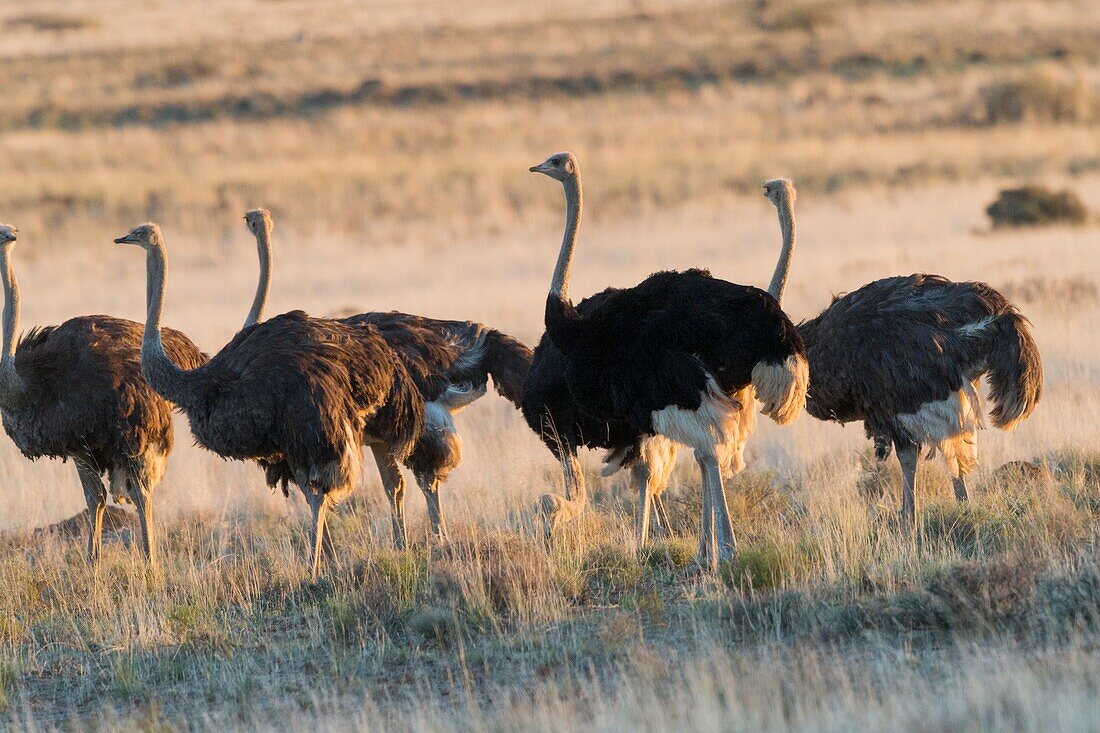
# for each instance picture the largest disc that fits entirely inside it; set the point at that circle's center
(1034, 205)
(49, 22)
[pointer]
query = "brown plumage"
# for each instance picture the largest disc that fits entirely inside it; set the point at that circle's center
(299, 395)
(451, 363)
(905, 355)
(76, 391)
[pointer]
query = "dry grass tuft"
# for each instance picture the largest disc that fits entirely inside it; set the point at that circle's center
(1063, 293)
(1045, 96)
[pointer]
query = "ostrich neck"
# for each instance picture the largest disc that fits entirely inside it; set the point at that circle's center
(783, 266)
(12, 388)
(263, 287)
(163, 375)
(561, 318)
(559, 285)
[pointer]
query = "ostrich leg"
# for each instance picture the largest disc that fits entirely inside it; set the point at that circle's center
(318, 503)
(908, 454)
(960, 488)
(95, 494)
(394, 484)
(641, 474)
(142, 496)
(707, 548)
(721, 543)
(328, 548)
(430, 486)
(660, 516)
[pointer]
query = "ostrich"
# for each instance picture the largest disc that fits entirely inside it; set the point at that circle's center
(551, 413)
(76, 391)
(681, 355)
(905, 355)
(449, 361)
(297, 394)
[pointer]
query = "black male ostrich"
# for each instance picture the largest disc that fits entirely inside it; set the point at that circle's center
(294, 393)
(449, 361)
(905, 355)
(681, 355)
(76, 391)
(550, 411)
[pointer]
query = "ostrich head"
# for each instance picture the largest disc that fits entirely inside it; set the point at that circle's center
(558, 166)
(143, 235)
(258, 221)
(778, 190)
(8, 235)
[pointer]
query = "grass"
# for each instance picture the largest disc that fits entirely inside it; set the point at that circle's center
(233, 627)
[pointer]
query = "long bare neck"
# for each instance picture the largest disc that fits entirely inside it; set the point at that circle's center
(12, 388)
(263, 287)
(559, 285)
(783, 266)
(163, 375)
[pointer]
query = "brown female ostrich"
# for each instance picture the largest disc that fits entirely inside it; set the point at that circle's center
(449, 361)
(76, 391)
(905, 355)
(299, 395)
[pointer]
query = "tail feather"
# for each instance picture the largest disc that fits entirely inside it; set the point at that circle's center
(782, 387)
(1014, 370)
(497, 355)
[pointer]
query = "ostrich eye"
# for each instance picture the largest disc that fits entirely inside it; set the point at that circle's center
(555, 161)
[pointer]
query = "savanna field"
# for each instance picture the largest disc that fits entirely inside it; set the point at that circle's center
(391, 141)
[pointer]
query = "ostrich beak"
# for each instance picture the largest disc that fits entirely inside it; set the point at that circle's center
(535, 169)
(126, 239)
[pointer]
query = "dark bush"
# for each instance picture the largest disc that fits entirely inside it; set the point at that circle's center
(1036, 206)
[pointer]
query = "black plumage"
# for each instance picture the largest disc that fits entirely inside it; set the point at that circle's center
(659, 343)
(76, 391)
(682, 355)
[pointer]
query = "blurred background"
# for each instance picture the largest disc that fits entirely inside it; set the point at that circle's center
(415, 120)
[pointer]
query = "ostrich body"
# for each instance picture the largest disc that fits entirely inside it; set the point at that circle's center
(450, 363)
(681, 355)
(550, 411)
(904, 355)
(76, 391)
(299, 395)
